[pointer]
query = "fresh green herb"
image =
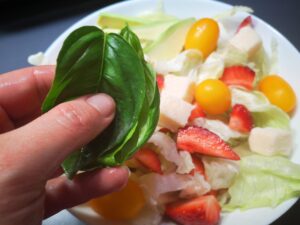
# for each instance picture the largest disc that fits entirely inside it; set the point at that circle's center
(91, 61)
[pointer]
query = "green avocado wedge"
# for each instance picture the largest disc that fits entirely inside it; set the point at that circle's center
(114, 21)
(91, 61)
(170, 43)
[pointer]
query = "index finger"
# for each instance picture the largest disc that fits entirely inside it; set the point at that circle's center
(23, 91)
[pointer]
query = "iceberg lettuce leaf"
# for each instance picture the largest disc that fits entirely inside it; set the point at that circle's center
(264, 113)
(264, 182)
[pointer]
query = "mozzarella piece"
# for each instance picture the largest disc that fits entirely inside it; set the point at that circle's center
(271, 141)
(180, 87)
(247, 40)
(174, 112)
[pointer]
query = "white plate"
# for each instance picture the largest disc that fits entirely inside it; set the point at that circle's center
(288, 67)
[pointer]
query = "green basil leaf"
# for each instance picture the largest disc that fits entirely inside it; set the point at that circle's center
(90, 62)
(133, 40)
(149, 115)
(77, 61)
(150, 74)
(147, 124)
(124, 80)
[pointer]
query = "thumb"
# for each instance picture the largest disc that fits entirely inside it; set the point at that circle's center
(39, 147)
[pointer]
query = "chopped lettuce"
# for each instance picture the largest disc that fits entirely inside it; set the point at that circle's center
(261, 64)
(214, 65)
(271, 116)
(155, 184)
(225, 56)
(264, 113)
(220, 172)
(264, 182)
(185, 64)
(167, 148)
(233, 56)
(212, 68)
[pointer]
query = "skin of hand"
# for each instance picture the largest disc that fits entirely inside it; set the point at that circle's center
(34, 145)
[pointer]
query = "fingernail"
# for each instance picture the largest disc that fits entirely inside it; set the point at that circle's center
(103, 103)
(127, 169)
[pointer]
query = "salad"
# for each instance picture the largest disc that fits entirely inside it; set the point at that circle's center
(223, 138)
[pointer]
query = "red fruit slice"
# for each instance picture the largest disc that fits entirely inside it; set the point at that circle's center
(160, 81)
(200, 140)
(197, 112)
(199, 166)
(149, 159)
(240, 119)
(239, 76)
(204, 210)
(246, 22)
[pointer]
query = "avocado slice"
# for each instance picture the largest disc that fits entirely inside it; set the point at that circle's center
(146, 32)
(150, 32)
(170, 43)
(108, 20)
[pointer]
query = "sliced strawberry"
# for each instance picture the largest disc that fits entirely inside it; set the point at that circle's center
(200, 140)
(199, 166)
(197, 112)
(160, 81)
(149, 159)
(240, 119)
(246, 22)
(203, 210)
(239, 76)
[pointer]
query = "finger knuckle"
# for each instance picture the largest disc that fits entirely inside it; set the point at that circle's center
(75, 116)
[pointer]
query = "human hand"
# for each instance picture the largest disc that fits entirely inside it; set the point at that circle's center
(33, 146)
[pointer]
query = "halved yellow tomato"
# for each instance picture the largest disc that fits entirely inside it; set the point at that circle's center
(203, 35)
(122, 205)
(213, 96)
(279, 92)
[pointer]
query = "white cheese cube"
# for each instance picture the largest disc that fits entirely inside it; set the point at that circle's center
(180, 87)
(174, 112)
(247, 40)
(271, 141)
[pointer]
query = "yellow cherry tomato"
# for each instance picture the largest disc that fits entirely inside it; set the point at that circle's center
(203, 35)
(279, 92)
(122, 205)
(213, 96)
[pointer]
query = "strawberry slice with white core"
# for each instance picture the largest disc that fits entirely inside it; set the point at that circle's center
(204, 210)
(149, 159)
(200, 140)
(240, 119)
(241, 76)
(246, 22)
